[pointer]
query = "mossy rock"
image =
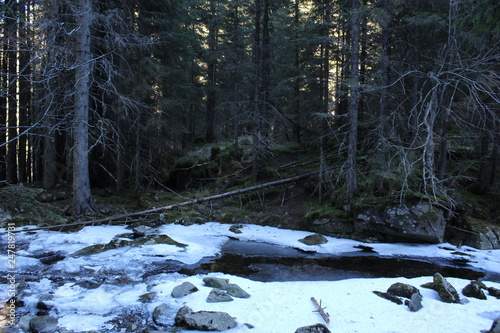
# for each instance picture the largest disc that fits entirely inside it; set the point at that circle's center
(315, 239)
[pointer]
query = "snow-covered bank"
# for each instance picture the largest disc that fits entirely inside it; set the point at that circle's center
(274, 307)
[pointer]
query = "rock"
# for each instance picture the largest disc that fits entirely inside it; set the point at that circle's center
(88, 284)
(51, 258)
(495, 327)
(147, 297)
(236, 291)
(389, 297)
(429, 285)
(204, 320)
(494, 292)
(184, 289)
(445, 290)
(402, 290)
(163, 315)
(318, 328)
(416, 223)
(43, 324)
(217, 295)
(215, 282)
(473, 290)
(415, 302)
(315, 239)
(236, 228)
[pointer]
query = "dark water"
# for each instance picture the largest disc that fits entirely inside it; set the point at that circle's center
(269, 262)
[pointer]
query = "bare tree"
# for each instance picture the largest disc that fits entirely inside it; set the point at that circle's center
(82, 199)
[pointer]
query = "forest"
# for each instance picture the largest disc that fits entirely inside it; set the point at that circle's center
(391, 97)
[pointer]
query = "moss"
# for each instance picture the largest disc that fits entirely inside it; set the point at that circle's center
(323, 211)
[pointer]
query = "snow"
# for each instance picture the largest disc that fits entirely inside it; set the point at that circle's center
(274, 307)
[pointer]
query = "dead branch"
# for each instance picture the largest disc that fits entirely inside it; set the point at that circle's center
(321, 310)
(174, 206)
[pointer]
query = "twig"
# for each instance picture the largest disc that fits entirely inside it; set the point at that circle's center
(326, 316)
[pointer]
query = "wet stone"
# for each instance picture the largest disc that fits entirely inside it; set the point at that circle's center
(494, 292)
(204, 320)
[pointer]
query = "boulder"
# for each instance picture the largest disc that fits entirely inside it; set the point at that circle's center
(318, 328)
(163, 315)
(43, 324)
(402, 290)
(236, 291)
(204, 320)
(147, 297)
(416, 223)
(215, 282)
(315, 239)
(184, 289)
(473, 290)
(445, 290)
(217, 295)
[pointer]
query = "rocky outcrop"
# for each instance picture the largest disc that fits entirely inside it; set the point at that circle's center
(417, 223)
(446, 291)
(204, 320)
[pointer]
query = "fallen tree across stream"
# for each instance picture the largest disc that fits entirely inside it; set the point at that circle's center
(174, 206)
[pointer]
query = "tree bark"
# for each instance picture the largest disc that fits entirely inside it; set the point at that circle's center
(352, 186)
(82, 200)
(12, 27)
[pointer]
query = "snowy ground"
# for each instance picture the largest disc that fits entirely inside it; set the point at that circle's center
(274, 307)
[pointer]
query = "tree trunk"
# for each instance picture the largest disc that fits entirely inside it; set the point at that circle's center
(82, 200)
(11, 21)
(3, 111)
(351, 186)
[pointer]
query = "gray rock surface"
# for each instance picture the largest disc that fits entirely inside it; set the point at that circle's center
(215, 282)
(217, 295)
(184, 289)
(43, 324)
(163, 315)
(236, 291)
(415, 303)
(495, 327)
(204, 320)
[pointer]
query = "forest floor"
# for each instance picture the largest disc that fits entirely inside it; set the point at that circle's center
(212, 169)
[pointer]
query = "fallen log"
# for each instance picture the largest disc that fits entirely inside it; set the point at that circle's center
(174, 206)
(326, 316)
